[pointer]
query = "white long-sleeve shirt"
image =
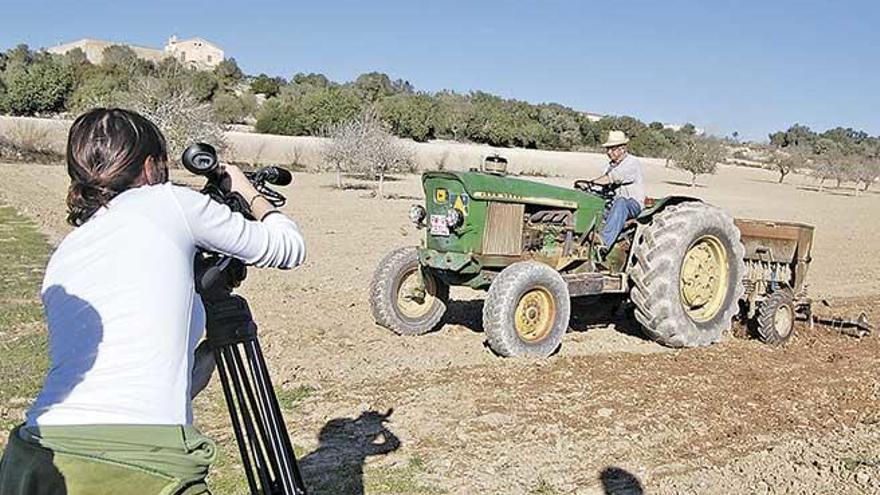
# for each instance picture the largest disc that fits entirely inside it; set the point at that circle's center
(123, 315)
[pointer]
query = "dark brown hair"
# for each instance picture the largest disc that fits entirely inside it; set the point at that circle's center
(106, 151)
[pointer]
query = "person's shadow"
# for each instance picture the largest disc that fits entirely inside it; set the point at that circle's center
(617, 481)
(83, 332)
(336, 467)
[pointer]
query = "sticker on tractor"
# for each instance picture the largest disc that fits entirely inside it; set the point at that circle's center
(460, 203)
(441, 196)
(439, 225)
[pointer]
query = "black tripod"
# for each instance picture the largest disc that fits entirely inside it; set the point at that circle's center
(263, 442)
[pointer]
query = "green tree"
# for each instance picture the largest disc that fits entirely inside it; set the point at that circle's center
(309, 114)
(698, 156)
(204, 84)
(796, 135)
(410, 115)
(39, 87)
(311, 79)
(229, 75)
(453, 112)
(265, 85)
(234, 109)
(20, 56)
(124, 61)
(373, 86)
(97, 87)
(76, 57)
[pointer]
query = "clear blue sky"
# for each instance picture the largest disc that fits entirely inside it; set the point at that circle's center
(750, 66)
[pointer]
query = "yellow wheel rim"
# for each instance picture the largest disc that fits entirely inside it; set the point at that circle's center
(704, 278)
(415, 294)
(535, 315)
(782, 320)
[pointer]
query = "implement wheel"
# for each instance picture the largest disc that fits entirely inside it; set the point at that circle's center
(774, 321)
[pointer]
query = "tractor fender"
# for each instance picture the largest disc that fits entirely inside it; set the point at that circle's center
(661, 204)
(648, 213)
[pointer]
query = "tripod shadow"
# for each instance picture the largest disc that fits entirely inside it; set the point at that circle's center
(336, 467)
(617, 481)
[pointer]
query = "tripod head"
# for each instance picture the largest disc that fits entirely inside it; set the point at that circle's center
(218, 275)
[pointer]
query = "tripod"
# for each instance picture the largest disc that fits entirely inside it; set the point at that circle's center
(263, 442)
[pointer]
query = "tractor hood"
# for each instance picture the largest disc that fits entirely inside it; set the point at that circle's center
(489, 187)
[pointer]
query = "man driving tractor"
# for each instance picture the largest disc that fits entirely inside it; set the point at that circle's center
(625, 171)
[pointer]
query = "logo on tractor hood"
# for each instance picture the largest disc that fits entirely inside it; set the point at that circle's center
(441, 196)
(461, 202)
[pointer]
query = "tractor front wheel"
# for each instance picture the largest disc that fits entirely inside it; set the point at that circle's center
(405, 297)
(527, 310)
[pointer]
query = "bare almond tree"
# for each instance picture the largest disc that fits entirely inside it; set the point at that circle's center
(365, 146)
(174, 109)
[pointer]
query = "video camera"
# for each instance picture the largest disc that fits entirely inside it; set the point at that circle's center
(201, 159)
(218, 274)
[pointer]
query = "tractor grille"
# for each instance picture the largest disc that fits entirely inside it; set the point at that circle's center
(504, 229)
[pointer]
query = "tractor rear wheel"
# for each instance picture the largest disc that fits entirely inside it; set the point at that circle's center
(406, 298)
(527, 310)
(686, 274)
(774, 321)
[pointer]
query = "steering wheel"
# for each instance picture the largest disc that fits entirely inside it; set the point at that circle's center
(607, 191)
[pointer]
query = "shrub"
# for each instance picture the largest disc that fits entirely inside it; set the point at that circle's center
(410, 115)
(265, 85)
(308, 114)
(39, 87)
(29, 142)
(234, 109)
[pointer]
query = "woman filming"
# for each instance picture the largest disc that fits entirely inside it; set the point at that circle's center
(114, 415)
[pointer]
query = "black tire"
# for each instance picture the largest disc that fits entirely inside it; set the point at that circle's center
(774, 319)
(538, 282)
(656, 274)
(392, 271)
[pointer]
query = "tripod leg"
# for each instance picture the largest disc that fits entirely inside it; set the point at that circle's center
(236, 425)
(261, 373)
(247, 420)
(267, 436)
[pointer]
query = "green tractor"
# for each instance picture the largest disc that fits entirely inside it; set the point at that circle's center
(531, 246)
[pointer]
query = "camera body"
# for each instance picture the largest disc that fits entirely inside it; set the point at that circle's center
(217, 274)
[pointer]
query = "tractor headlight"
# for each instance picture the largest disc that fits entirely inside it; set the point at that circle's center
(454, 218)
(417, 215)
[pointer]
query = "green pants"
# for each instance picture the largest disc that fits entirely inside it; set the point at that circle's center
(106, 459)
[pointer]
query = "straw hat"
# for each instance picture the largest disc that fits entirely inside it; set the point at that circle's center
(615, 138)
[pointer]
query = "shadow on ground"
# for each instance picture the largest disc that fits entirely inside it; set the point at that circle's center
(468, 313)
(603, 310)
(683, 184)
(336, 467)
(617, 481)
